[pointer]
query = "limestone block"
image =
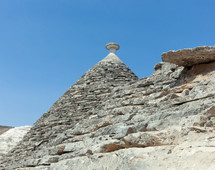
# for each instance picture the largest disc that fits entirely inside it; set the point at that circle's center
(191, 56)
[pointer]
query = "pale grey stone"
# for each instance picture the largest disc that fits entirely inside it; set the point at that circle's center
(110, 119)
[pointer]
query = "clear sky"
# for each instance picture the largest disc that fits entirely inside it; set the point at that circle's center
(47, 45)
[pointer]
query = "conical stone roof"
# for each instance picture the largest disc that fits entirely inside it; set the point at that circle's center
(100, 123)
(81, 100)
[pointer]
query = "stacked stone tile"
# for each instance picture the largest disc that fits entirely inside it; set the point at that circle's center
(110, 119)
(79, 102)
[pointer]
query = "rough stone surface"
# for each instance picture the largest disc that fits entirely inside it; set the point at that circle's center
(4, 129)
(191, 56)
(11, 138)
(110, 119)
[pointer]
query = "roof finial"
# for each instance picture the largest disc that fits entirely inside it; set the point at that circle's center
(112, 47)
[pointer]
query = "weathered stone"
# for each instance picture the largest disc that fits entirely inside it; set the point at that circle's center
(11, 137)
(110, 119)
(191, 56)
(36, 168)
(3, 129)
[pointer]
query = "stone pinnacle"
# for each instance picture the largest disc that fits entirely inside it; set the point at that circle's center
(112, 47)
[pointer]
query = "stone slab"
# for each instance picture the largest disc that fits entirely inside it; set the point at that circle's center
(191, 56)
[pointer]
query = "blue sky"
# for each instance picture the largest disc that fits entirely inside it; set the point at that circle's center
(47, 45)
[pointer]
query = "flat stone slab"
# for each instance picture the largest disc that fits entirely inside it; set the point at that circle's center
(190, 56)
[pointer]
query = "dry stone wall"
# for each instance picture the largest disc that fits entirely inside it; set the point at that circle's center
(110, 119)
(77, 104)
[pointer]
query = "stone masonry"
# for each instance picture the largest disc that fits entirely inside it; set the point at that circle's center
(110, 119)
